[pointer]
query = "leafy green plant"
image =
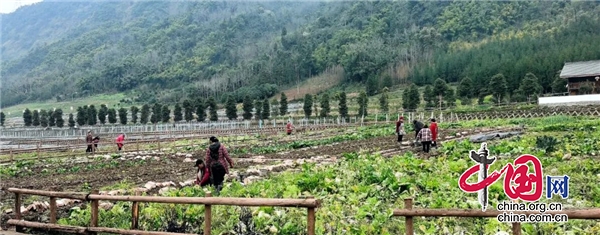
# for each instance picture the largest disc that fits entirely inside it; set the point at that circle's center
(547, 143)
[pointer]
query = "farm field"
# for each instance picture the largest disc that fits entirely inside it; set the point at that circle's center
(359, 173)
(24, 149)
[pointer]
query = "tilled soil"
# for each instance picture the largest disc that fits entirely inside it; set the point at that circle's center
(166, 169)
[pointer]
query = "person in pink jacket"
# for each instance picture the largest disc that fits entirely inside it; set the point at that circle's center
(120, 140)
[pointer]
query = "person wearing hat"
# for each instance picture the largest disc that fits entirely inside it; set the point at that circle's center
(203, 173)
(89, 141)
(218, 160)
(400, 129)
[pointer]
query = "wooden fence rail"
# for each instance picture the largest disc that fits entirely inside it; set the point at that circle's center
(310, 203)
(408, 212)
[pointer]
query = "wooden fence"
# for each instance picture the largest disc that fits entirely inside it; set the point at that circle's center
(409, 213)
(310, 203)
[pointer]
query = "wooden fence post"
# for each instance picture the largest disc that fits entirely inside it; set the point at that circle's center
(311, 219)
(135, 212)
(408, 224)
(94, 219)
(53, 209)
(11, 156)
(19, 229)
(516, 229)
(207, 217)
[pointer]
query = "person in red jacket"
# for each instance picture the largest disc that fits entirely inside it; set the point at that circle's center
(120, 140)
(434, 132)
(203, 173)
(289, 127)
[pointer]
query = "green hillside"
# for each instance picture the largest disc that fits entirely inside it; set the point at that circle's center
(168, 51)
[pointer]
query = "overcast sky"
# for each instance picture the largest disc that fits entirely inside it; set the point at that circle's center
(8, 6)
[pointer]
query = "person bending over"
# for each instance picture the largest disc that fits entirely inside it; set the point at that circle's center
(203, 173)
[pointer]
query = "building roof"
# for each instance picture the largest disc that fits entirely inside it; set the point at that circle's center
(581, 69)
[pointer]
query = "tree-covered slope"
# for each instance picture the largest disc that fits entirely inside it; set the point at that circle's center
(148, 45)
(561, 33)
(172, 50)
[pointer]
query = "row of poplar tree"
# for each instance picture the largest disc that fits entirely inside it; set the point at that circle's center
(90, 115)
(155, 113)
(46, 118)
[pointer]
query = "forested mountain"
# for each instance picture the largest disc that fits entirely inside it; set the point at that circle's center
(171, 49)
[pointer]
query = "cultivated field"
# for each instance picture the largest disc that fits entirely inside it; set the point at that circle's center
(359, 173)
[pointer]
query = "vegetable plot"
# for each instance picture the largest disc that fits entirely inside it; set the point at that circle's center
(360, 191)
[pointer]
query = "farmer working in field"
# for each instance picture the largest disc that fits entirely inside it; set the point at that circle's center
(418, 126)
(96, 140)
(425, 136)
(89, 140)
(120, 140)
(203, 173)
(434, 132)
(400, 129)
(289, 127)
(218, 160)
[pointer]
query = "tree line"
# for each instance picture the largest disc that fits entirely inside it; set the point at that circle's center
(441, 95)
(196, 109)
(188, 110)
(438, 95)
